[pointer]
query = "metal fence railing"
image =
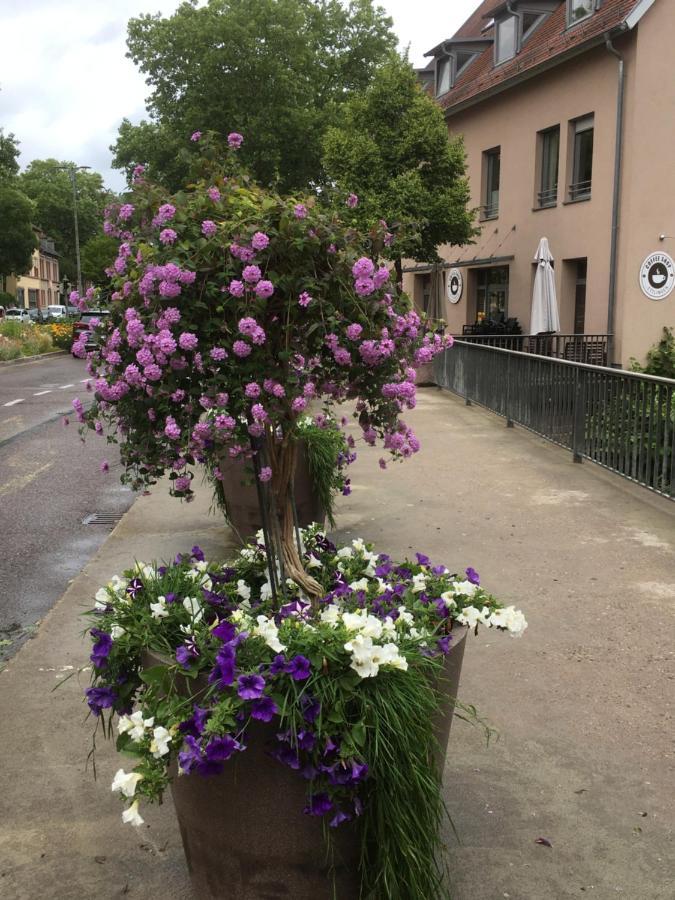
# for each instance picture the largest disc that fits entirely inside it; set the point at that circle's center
(624, 421)
(586, 348)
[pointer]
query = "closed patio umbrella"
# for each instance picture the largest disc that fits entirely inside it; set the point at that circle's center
(545, 316)
(436, 309)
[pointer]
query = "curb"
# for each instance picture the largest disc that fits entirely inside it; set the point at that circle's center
(28, 359)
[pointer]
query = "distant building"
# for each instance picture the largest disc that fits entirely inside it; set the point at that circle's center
(567, 108)
(39, 287)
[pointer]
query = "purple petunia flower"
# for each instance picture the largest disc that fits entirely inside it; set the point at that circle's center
(220, 749)
(99, 698)
(278, 664)
(472, 576)
(250, 687)
(101, 649)
(339, 818)
(422, 560)
(224, 631)
(311, 708)
(134, 586)
(264, 709)
(187, 652)
(318, 805)
(299, 668)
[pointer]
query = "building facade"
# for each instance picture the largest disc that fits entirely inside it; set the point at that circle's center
(567, 109)
(40, 286)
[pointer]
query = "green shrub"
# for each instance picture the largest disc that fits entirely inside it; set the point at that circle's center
(13, 330)
(661, 358)
(9, 350)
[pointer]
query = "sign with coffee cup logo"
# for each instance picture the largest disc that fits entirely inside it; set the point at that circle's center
(657, 276)
(455, 285)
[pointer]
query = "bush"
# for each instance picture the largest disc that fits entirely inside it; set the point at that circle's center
(9, 349)
(7, 300)
(23, 340)
(61, 334)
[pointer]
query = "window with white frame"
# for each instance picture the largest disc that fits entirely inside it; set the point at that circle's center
(582, 158)
(506, 39)
(578, 10)
(443, 76)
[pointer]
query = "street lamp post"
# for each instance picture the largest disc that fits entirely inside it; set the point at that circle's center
(72, 173)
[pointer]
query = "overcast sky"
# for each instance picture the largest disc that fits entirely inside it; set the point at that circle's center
(65, 83)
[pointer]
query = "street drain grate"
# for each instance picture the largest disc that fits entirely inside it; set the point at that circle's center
(97, 518)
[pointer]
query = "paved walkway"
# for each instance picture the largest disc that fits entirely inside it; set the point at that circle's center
(583, 702)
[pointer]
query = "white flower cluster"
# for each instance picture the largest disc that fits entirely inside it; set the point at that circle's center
(115, 587)
(125, 783)
(510, 619)
(367, 657)
(268, 631)
(136, 727)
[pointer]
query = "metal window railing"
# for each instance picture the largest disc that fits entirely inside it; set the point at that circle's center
(579, 190)
(623, 421)
(490, 210)
(585, 348)
(548, 197)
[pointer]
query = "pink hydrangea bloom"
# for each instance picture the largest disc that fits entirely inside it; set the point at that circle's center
(188, 341)
(259, 241)
(381, 277)
(252, 390)
(171, 429)
(364, 287)
(209, 228)
(265, 474)
(167, 236)
(258, 412)
(236, 288)
(300, 211)
(235, 140)
(247, 325)
(218, 353)
(169, 289)
(214, 194)
(241, 349)
(264, 289)
(195, 136)
(363, 268)
(354, 332)
(304, 299)
(298, 404)
(352, 201)
(251, 274)
(126, 211)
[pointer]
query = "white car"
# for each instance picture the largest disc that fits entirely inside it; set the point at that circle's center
(56, 311)
(15, 314)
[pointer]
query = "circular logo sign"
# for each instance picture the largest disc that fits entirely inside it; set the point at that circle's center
(657, 276)
(455, 285)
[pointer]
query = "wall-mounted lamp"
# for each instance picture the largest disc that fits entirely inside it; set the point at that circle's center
(663, 237)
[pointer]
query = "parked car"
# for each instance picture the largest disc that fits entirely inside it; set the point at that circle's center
(15, 314)
(37, 315)
(87, 323)
(56, 311)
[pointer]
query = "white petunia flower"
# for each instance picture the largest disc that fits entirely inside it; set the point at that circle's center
(465, 588)
(362, 651)
(360, 585)
(247, 553)
(116, 632)
(372, 627)
(358, 545)
(243, 590)
(389, 655)
(352, 621)
(419, 583)
(449, 599)
(126, 782)
(330, 615)
(313, 562)
(345, 552)
(131, 816)
(102, 598)
(202, 565)
(389, 627)
(161, 739)
(404, 617)
(510, 619)
(266, 591)
(195, 608)
(472, 616)
(158, 609)
(135, 724)
(268, 631)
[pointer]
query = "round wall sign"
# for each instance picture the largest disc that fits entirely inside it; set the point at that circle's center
(657, 276)
(455, 285)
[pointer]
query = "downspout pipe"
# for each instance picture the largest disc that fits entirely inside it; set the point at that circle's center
(616, 201)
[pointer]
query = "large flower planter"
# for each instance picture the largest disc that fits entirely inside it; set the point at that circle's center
(244, 833)
(241, 495)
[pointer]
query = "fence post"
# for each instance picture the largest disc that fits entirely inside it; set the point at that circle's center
(509, 420)
(579, 427)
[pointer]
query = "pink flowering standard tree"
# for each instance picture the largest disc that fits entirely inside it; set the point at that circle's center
(233, 310)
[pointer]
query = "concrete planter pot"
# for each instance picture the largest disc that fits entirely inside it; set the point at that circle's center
(241, 496)
(244, 833)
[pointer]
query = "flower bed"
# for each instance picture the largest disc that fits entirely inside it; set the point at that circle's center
(349, 683)
(17, 340)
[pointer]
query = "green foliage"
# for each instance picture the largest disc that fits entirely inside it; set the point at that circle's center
(274, 70)
(23, 340)
(326, 448)
(9, 155)
(661, 358)
(7, 300)
(392, 149)
(97, 255)
(17, 238)
(51, 190)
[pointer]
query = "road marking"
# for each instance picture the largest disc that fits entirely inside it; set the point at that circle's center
(13, 402)
(64, 386)
(84, 380)
(40, 393)
(22, 481)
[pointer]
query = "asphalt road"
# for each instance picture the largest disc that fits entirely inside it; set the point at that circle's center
(49, 482)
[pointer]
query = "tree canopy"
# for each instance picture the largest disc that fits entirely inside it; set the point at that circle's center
(51, 190)
(17, 237)
(276, 71)
(9, 155)
(392, 149)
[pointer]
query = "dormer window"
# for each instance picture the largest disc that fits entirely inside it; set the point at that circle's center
(506, 38)
(443, 74)
(578, 10)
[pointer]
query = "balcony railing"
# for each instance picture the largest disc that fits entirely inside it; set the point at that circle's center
(624, 421)
(580, 190)
(583, 348)
(549, 197)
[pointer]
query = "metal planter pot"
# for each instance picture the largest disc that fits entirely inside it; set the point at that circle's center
(244, 833)
(241, 495)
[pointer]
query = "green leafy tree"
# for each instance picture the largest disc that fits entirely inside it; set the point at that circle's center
(97, 255)
(9, 155)
(17, 238)
(51, 190)
(276, 71)
(393, 151)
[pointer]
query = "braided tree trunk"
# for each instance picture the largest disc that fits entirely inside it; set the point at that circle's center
(283, 458)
